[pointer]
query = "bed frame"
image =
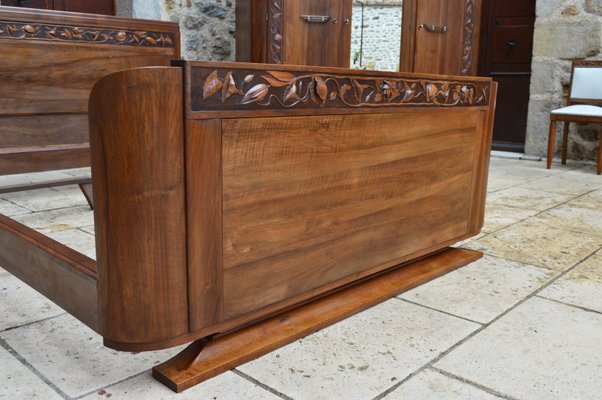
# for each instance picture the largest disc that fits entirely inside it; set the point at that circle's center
(49, 62)
(243, 206)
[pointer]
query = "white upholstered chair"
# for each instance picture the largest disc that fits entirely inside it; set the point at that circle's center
(583, 106)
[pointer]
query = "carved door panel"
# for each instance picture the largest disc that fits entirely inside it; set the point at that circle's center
(305, 32)
(440, 36)
(506, 50)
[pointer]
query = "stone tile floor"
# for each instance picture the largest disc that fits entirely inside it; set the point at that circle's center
(524, 322)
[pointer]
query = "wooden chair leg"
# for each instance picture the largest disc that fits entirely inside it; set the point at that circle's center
(600, 155)
(565, 141)
(551, 140)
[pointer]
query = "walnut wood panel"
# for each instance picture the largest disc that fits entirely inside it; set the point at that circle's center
(63, 275)
(309, 201)
(205, 359)
(50, 61)
(204, 222)
(138, 180)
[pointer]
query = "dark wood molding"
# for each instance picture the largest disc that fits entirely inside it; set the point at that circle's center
(69, 33)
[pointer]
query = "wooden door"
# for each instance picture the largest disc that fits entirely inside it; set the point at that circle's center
(304, 32)
(309, 41)
(506, 52)
(440, 36)
(47, 4)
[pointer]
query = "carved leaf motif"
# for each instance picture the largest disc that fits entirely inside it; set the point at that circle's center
(274, 82)
(249, 78)
(344, 89)
(256, 93)
(29, 29)
(282, 76)
(229, 87)
(321, 88)
(291, 93)
(212, 85)
(332, 96)
(150, 40)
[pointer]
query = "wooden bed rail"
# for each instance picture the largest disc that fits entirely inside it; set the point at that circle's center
(58, 272)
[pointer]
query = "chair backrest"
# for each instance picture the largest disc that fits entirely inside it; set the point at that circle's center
(586, 82)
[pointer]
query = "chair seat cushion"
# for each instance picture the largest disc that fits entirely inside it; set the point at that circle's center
(580, 110)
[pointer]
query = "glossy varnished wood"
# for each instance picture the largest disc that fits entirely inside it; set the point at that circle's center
(204, 222)
(205, 359)
(312, 200)
(140, 204)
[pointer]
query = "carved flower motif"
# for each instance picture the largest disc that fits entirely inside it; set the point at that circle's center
(29, 29)
(120, 36)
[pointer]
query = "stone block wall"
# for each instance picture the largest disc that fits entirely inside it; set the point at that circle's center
(379, 37)
(564, 30)
(207, 26)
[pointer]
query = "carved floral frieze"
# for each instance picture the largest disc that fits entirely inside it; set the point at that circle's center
(61, 33)
(222, 89)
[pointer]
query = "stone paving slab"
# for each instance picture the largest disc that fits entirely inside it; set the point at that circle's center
(482, 290)
(527, 199)
(539, 245)
(499, 216)
(361, 356)
(58, 220)
(431, 385)
(582, 286)
(542, 350)
(571, 217)
(228, 386)
(575, 183)
(47, 199)
(73, 358)
(9, 209)
(17, 382)
(20, 304)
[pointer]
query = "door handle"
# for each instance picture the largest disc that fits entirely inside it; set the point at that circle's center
(512, 43)
(320, 19)
(433, 28)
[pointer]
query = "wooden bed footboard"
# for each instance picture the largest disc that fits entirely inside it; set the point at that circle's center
(226, 193)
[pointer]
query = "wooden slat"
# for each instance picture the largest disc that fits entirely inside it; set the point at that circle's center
(37, 159)
(207, 358)
(309, 201)
(204, 222)
(65, 276)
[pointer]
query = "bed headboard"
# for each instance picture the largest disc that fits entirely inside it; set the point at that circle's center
(50, 61)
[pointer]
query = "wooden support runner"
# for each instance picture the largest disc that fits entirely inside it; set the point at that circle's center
(206, 358)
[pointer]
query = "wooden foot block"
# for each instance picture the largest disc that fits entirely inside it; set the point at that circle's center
(206, 358)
